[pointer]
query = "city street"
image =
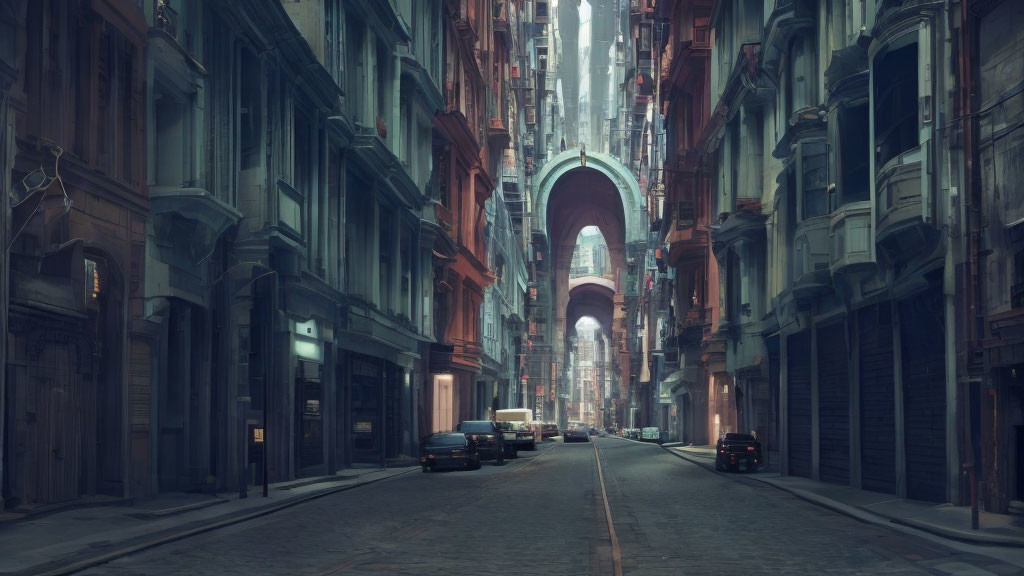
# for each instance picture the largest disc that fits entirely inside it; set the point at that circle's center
(544, 514)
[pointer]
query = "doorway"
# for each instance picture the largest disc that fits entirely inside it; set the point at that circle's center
(366, 388)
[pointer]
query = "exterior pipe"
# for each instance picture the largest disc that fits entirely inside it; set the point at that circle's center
(952, 446)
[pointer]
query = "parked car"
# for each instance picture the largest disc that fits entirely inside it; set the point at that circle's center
(488, 437)
(633, 433)
(650, 434)
(524, 437)
(738, 452)
(575, 435)
(548, 430)
(449, 450)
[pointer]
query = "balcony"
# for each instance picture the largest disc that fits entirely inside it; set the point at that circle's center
(687, 237)
(811, 274)
(501, 24)
(694, 327)
(464, 14)
(787, 19)
(901, 232)
(742, 225)
(641, 7)
(498, 134)
(850, 233)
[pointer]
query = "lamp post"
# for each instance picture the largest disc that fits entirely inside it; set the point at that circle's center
(268, 359)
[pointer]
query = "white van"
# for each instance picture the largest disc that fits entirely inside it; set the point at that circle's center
(519, 420)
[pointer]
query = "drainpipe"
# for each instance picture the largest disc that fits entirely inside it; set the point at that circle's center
(971, 269)
(952, 436)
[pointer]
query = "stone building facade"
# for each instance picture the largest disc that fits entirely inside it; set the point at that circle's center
(862, 240)
(242, 239)
(77, 395)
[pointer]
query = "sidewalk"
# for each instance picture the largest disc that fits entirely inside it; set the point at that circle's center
(70, 540)
(945, 520)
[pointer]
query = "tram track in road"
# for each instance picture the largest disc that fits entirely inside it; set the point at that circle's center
(612, 537)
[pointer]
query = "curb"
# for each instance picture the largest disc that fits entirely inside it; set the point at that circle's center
(867, 517)
(80, 565)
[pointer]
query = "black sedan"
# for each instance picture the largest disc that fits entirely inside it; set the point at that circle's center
(575, 435)
(488, 437)
(738, 452)
(448, 450)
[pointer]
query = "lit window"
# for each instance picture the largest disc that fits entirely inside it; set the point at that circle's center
(92, 279)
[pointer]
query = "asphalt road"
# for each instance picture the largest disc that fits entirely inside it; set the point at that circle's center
(544, 514)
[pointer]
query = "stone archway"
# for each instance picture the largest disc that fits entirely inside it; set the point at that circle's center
(571, 196)
(613, 171)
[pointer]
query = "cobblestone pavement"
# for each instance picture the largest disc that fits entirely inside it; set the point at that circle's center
(543, 514)
(675, 517)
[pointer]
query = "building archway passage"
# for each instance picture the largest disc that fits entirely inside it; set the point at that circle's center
(571, 196)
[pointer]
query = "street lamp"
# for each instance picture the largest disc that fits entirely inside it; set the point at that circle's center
(268, 368)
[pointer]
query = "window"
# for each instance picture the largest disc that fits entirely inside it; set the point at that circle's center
(407, 302)
(115, 73)
(385, 250)
(895, 100)
(334, 39)
(334, 219)
(355, 69)
(289, 208)
(813, 180)
(383, 85)
(1001, 35)
(358, 225)
(854, 154)
(173, 139)
(800, 82)
(250, 110)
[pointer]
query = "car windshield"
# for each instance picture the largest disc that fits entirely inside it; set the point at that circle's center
(732, 437)
(476, 427)
(446, 440)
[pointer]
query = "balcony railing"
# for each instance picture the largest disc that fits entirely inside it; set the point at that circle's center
(850, 231)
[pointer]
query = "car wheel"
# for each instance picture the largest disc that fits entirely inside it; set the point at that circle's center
(533, 446)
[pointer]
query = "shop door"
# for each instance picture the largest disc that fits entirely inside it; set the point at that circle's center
(799, 404)
(924, 395)
(366, 411)
(833, 404)
(54, 414)
(877, 400)
(309, 453)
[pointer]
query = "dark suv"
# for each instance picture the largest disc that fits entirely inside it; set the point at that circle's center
(738, 452)
(488, 437)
